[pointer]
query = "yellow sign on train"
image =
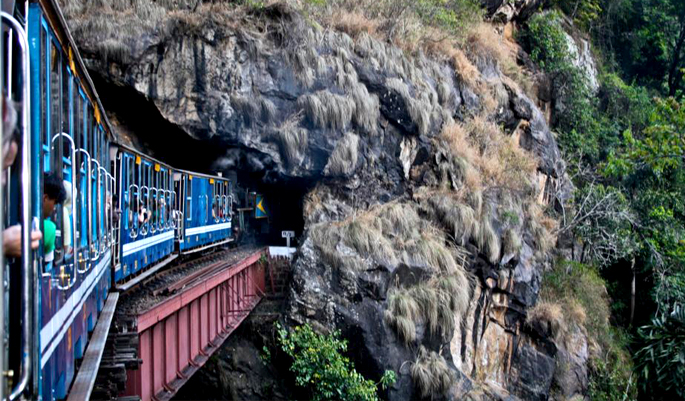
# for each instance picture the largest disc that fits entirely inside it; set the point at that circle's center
(72, 65)
(157, 167)
(138, 160)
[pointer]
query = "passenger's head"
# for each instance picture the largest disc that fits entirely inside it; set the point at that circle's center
(53, 193)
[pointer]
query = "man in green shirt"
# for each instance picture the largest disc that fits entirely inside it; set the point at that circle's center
(53, 193)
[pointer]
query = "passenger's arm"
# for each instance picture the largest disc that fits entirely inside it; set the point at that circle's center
(11, 241)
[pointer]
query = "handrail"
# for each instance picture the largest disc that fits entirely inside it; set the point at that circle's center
(95, 246)
(155, 203)
(26, 254)
(133, 231)
(170, 210)
(206, 206)
(226, 206)
(143, 227)
(230, 206)
(217, 199)
(74, 219)
(89, 194)
(106, 225)
(172, 198)
(178, 228)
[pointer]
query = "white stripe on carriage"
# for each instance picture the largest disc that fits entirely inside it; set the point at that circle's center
(62, 320)
(133, 247)
(206, 229)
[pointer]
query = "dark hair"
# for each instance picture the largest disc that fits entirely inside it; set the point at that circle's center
(53, 188)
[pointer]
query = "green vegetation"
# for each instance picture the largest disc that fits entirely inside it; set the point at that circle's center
(321, 369)
(626, 146)
(549, 47)
(662, 358)
(581, 291)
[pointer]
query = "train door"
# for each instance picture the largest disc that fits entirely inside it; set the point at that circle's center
(178, 211)
(83, 195)
(20, 205)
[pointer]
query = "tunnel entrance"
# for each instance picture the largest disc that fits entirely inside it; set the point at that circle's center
(139, 124)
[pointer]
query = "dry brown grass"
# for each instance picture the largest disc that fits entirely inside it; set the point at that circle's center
(484, 43)
(542, 226)
(353, 23)
(497, 159)
(562, 317)
(431, 374)
(548, 313)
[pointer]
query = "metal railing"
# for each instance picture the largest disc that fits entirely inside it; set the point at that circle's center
(27, 256)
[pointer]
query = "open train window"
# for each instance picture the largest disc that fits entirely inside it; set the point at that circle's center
(44, 62)
(130, 182)
(55, 101)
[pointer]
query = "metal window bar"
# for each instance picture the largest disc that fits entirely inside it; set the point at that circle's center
(85, 257)
(27, 256)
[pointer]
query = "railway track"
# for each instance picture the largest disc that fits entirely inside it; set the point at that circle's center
(121, 349)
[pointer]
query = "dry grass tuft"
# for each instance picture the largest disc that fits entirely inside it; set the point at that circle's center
(548, 314)
(353, 23)
(430, 373)
(293, 140)
(343, 159)
(401, 313)
(511, 242)
(483, 43)
(542, 226)
(328, 110)
(488, 242)
(497, 158)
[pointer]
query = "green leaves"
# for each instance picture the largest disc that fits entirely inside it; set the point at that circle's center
(662, 359)
(320, 367)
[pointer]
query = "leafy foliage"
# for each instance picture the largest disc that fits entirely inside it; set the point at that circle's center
(322, 370)
(549, 47)
(662, 359)
(451, 15)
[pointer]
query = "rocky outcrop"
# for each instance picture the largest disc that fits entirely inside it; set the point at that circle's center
(510, 10)
(396, 210)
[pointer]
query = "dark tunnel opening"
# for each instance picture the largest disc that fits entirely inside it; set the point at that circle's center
(139, 123)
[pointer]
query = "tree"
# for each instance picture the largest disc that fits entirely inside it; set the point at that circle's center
(650, 42)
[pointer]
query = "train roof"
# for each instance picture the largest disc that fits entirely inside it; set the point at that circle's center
(54, 14)
(196, 174)
(145, 155)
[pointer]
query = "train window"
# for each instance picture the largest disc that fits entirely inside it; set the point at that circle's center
(66, 100)
(130, 182)
(78, 113)
(55, 101)
(45, 135)
(189, 198)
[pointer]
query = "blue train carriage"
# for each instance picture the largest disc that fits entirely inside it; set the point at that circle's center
(147, 199)
(206, 211)
(69, 138)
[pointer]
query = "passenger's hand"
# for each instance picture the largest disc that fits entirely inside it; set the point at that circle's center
(11, 241)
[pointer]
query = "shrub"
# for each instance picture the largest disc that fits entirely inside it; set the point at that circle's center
(580, 286)
(661, 361)
(549, 47)
(322, 370)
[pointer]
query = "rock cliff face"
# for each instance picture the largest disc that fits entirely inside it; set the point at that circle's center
(420, 191)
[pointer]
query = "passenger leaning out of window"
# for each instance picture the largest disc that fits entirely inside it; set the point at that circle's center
(53, 194)
(143, 213)
(11, 237)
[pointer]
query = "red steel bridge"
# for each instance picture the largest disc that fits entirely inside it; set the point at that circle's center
(172, 326)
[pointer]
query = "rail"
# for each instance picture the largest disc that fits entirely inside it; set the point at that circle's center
(27, 255)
